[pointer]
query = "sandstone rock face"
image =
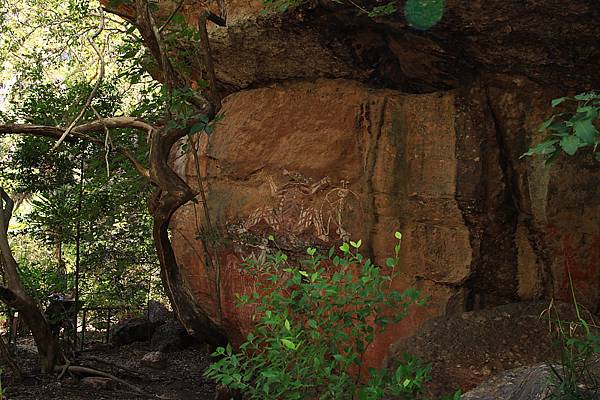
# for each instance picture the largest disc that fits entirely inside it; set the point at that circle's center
(339, 126)
(321, 162)
(553, 42)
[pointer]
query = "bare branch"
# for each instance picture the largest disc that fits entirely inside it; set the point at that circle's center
(153, 41)
(208, 61)
(92, 94)
(107, 141)
(91, 371)
(175, 11)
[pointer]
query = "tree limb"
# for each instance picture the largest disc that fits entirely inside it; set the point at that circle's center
(81, 132)
(175, 11)
(6, 209)
(208, 61)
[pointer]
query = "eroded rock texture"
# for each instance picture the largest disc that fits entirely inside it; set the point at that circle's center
(339, 126)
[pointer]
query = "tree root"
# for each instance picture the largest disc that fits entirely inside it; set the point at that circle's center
(125, 370)
(94, 372)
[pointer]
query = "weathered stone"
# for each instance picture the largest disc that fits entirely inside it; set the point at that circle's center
(537, 382)
(465, 349)
(553, 42)
(317, 163)
(155, 360)
(97, 382)
(158, 312)
(132, 330)
(170, 336)
(527, 383)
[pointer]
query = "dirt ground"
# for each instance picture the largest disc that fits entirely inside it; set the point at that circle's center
(181, 380)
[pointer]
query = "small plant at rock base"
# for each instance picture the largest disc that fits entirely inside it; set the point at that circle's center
(578, 376)
(315, 323)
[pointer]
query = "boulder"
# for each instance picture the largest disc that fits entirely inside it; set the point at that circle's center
(133, 330)
(317, 163)
(467, 349)
(170, 336)
(155, 360)
(158, 312)
(536, 382)
(97, 382)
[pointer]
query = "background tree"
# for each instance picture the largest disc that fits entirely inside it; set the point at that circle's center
(145, 144)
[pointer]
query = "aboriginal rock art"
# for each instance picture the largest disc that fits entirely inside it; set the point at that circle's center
(300, 207)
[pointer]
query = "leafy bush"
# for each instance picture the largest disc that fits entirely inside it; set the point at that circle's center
(571, 129)
(315, 322)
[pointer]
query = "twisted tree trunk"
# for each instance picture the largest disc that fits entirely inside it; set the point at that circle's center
(15, 296)
(171, 192)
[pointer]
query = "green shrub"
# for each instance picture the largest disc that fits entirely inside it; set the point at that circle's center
(315, 322)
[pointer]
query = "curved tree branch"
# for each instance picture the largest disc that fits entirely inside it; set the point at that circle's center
(81, 132)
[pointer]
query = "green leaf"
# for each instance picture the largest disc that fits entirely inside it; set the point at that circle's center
(289, 344)
(556, 102)
(331, 251)
(287, 325)
(423, 14)
(570, 144)
(398, 235)
(197, 127)
(390, 262)
(544, 125)
(586, 131)
(385, 9)
(585, 96)
(546, 147)
(345, 247)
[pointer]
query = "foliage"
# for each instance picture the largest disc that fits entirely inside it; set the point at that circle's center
(571, 129)
(579, 345)
(423, 14)
(316, 321)
(119, 264)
